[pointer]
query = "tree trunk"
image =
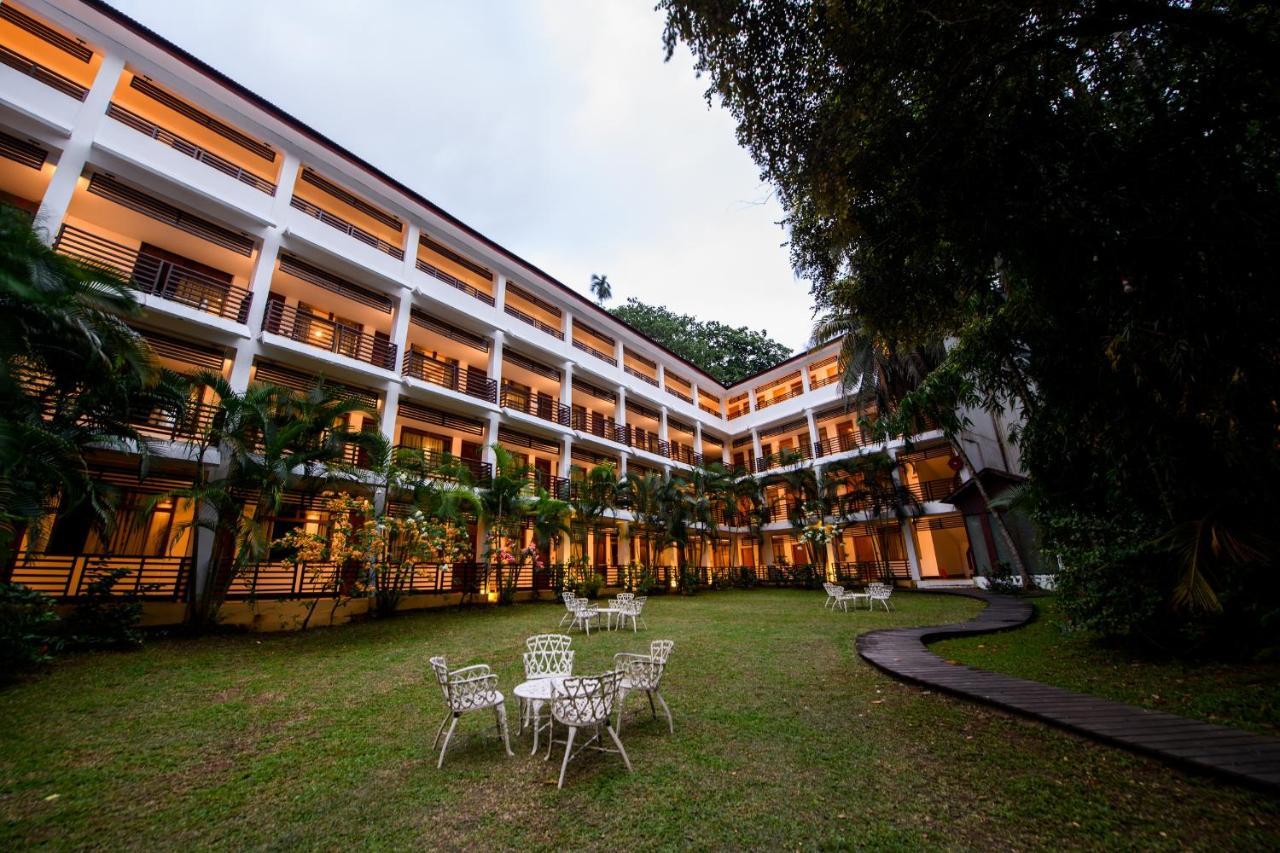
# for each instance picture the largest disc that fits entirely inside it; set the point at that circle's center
(1027, 583)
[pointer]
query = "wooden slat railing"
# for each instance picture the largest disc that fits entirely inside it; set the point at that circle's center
(333, 221)
(420, 366)
(284, 319)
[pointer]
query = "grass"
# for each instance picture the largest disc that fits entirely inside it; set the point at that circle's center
(784, 738)
(1244, 695)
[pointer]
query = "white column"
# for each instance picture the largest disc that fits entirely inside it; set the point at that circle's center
(755, 446)
(662, 424)
(400, 337)
(813, 431)
(697, 436)
(913, 559)
(566, 456)
(804, 377)
(751, 400)
(499, 291)
(491, 438)
(75, 154)
(566, 385)
(620, 411)
(264, 268)
(662, 376)
(567, 328)
(495, 359)
(622, 464)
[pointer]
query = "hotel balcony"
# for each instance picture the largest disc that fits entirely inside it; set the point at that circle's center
(928, 472)
(840, 432)
(168, 278)
(537, 312)
(594, 343)
(441, 355)
(311, 306)
(680, 438)
(540, 455)
(710, 404)
(712, 449)
(45, 73)
(738, 405)
(454, 269)
(776, 391)
(376, 237)
(593, 410)
(824, 372)
(532, 389)
(640, 367)
(440, 443)
(679, 388)
(154, 130)
(643, 430)
(187, 357)
(25, 171)
(182, 264)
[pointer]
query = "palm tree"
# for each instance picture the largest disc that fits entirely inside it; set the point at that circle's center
(270, 439)
(503, 505)
(644, 496)
(73, 375)
(874, 492)
(804, 499)
(879, 374)
(601, 289)
(596, 494)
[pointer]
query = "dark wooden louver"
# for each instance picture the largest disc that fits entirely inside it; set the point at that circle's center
(110, 188)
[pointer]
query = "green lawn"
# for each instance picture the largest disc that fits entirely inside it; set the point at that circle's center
(784, 738)
(1242, 695)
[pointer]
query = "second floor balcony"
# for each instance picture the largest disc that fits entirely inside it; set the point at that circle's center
(202, 289)
(539, 405)
(472, 382)
(325, 334)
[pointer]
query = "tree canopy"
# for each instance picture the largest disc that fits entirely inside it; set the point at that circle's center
(1084, 198)
(727, 353)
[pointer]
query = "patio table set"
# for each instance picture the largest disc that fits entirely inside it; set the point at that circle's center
(838, 596)
(575, 702)
(583, 613)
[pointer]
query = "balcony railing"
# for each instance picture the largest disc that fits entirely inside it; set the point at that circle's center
(595, 424)
(711, 410)
(70, 576)
(642, 376)
(471, 382)
(868, 571)
(815, 384)
(538, 405)
(680, 394)
(443, 465)
(587, 348)
(933, 490)
(681, 453)
(152, 275)
(195, 421)
(773, 460)
(556, 487)
(840, 443)
(453, 281)
(317, 212)
(644, 440)
(533, 321)
(189, 148)
(766, 402)
(322, 333)
(47, 76)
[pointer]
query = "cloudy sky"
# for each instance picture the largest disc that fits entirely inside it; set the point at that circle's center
(552, 126)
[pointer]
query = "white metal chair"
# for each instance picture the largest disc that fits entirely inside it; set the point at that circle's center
(472, 688)
(632, 609)
(644, 672)
(587, 702)
(879, 592)
(548, 642)
(568, 598)
(584, 613)
(548, 663)
(833, 594)
(845, 596)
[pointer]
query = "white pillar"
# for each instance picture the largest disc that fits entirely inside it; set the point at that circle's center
(499, 292)
(495, 359)
(697, 437)
(566, 385)
(620, 410)
(913, 560)
(804, 377)
(75, 154)
(491, 438)
(662, 376)
(663, 433)
(400, 337)
(813, 431)
(751, 400)
(264, 268)
(755, 446)
(566, 455)
(567, 328)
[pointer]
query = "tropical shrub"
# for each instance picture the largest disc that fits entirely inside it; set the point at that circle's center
(28, 629)
(105, 619)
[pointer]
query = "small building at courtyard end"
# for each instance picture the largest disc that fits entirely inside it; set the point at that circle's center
(267, 253)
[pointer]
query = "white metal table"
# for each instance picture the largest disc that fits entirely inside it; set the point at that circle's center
(534, 693)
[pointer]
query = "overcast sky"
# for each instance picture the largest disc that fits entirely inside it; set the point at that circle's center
(552, 126)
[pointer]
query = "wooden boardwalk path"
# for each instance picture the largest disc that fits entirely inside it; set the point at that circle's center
(1235, 754)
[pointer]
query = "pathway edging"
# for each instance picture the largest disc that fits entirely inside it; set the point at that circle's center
(1232, 753)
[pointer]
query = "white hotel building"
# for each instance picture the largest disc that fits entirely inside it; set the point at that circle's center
(265, 251)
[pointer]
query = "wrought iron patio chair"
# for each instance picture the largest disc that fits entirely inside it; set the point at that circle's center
(471, 688)
(644, 672)
(587, 702)
(879, 592)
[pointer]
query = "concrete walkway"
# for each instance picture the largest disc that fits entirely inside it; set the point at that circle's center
(1232, 753)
